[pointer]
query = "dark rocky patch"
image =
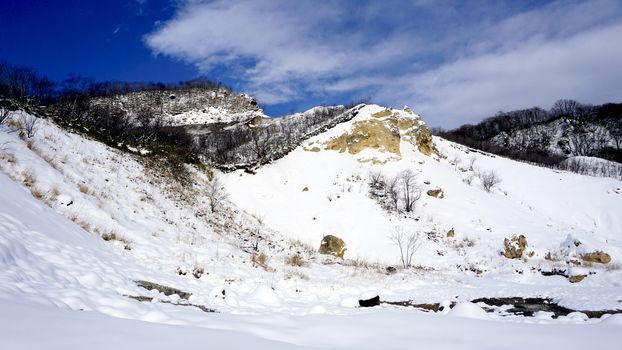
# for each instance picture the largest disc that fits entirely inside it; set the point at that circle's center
(163, 289)
(146, 299)
(375, 301)
(519, 306)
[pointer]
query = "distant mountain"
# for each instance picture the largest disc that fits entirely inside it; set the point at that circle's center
(564, 135)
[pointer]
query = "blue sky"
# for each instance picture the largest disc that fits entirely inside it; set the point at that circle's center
(452, 61)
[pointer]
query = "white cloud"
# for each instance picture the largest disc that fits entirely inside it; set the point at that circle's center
(470, 64)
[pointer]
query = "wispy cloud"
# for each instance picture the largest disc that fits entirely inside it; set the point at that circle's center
(454, 61)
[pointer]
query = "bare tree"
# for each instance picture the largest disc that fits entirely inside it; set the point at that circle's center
(472, 162)
(28, 124)
(392, 191)
(407, 243)
(566, 108)
(489, 180)
(376, 180)
(409, 190)
(456, 160)
(4, 115)
(216, 194)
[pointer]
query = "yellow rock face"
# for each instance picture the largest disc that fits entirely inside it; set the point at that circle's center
(422, 138)
(383, 132)
(367, 134)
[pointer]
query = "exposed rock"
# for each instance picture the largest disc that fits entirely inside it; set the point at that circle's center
(368, 134)
(451, 233)
(437, 193)
(197, 272)
(597, 257)
(514, 247)
(306, 189)
(423, 140)
(382, 114)
(576, 278)
(163, 289)
(333, 245)
(375, 301)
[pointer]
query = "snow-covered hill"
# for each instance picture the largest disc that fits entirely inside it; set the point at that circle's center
(320, 189)
(81, 223)
(188, 106)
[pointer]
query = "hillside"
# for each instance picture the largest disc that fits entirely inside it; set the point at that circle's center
(83, 223)
(558, 137)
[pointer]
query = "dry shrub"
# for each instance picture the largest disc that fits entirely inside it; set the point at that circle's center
(109, 236)
(260, 260)
(295, 274)
(83, 188)
(8, 158)
(295, 260)
(85, 225)
(28, 178)
(38, 194)
(302, 247)
(112, 236)
(53, 194)
(50, 161)
(30, 144)
(14, 123)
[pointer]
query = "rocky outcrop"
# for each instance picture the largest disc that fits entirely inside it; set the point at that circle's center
(383, 131)
(368, 134)
(333, 245)
(514, 247)
(599, 257)
(425, 143)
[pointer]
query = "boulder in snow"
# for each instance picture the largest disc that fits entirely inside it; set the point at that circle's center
(514, 247)
(333, 245)
(437, 193)
(597, 257)
(375, 301)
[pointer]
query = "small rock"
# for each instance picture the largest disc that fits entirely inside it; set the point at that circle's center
(306, 189)
(597, 257)
(391, 270)
(576, 278)
(197, 272)
(438, 193)
(375, 301)
(451, 233)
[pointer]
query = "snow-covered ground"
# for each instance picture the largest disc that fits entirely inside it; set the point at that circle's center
(63, 286)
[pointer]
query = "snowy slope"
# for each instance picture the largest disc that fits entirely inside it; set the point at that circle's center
(61, 193)
(50, 266)
(542, 204)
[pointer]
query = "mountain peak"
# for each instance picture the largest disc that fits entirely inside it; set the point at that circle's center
(378, 134)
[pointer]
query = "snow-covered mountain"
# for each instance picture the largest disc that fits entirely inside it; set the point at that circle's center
(557, 138)
(188, 106)
(100, 248)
